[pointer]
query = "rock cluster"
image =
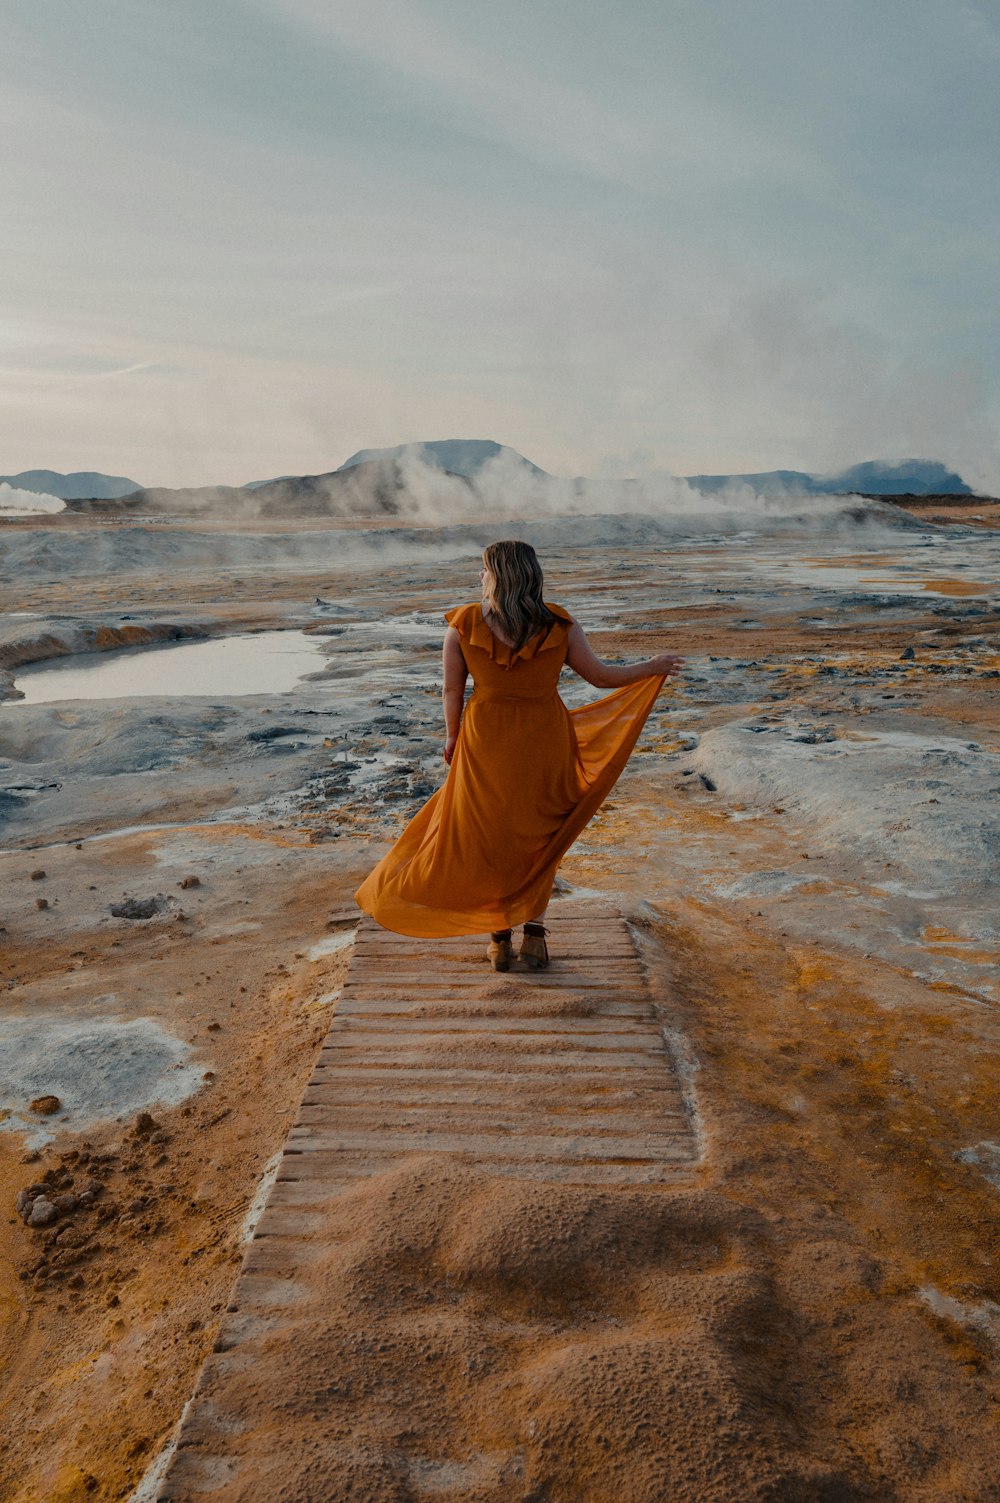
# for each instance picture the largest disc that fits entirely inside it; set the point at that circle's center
(71, 1200)
(58, 1193)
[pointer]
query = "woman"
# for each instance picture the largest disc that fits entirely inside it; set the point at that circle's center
(525, 773)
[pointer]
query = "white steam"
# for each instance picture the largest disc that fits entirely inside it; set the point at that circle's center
(505, 489)
(18, 503)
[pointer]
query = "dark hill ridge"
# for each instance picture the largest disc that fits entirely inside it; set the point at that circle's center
(374, 489)
(456, 456)
(876, 477)
(72, 487)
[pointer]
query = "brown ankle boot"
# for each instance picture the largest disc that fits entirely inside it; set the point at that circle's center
(499, 949)
(534, 951)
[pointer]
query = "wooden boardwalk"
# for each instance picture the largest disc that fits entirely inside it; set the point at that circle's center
(561, 1075)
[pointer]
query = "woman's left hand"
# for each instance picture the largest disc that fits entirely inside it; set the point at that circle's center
(449, 748)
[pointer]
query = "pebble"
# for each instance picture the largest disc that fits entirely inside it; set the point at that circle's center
(189, 882)
(45, 1105)
(144, 1125)
(41, 902)
(65, 1204)
(907, 655)
(42, 1212)
(38, 875)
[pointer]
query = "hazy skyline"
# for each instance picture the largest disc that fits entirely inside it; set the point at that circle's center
(250, 238)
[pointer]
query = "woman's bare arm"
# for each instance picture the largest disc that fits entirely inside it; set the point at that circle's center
(455, 674)
(583, 660)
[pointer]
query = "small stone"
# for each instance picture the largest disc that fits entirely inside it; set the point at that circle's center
(38, 875)
(189, 882)
(23, 1199)
(42, 1212)
(86, 1197)
(65, 1204)
(214, 1027)
(41, 902)
(907, 655)
(38, 1189)
(45, 1105)
(77, 1281)
(144, 1125)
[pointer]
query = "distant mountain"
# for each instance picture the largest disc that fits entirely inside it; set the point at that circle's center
(457, 456)
(375, 489)
(876, 477)
(375, 483)
(80, 484)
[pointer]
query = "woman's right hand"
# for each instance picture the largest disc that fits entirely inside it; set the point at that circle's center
(449, 748)
(665, 663)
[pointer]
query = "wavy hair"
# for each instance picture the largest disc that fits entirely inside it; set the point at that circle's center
(516, 597)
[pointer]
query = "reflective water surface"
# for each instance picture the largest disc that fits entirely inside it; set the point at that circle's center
(267, 662)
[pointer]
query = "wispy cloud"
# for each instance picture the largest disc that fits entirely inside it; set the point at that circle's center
(511, 101)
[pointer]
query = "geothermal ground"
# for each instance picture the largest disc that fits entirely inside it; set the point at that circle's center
(806, 842)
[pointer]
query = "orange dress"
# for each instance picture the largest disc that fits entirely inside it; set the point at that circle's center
(526, 776)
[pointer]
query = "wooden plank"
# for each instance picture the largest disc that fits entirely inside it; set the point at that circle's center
(351, 1005)
(444, 1057)
(551, 1145)
(557, 1025)
(496, 1119)
(336, 1097)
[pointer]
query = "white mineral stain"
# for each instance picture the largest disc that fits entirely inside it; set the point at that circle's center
(101, 1069)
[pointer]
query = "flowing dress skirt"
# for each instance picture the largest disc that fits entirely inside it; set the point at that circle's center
(526, 777)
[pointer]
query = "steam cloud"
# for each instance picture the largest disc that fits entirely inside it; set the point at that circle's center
(18, 503)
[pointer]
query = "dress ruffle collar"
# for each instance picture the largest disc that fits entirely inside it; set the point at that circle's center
(468, 622)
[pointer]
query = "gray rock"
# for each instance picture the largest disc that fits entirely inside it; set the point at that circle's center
(42, 1212)
(137, 908)
(65, 1204)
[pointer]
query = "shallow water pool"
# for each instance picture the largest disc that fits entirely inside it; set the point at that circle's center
(266, 662)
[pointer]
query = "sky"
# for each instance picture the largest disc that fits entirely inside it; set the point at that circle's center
(245, 238)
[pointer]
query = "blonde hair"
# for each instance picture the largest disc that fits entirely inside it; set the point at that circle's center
(516, 595)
